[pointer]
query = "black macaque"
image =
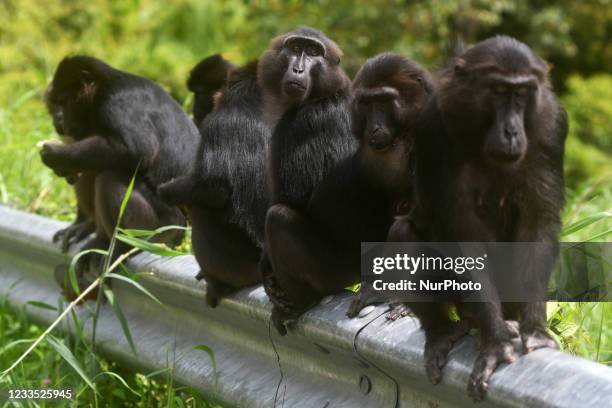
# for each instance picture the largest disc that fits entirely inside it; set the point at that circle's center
(375, 184)
(117, 122)
(489, 156)
(205, 79)
(307, 101)
(227, 193)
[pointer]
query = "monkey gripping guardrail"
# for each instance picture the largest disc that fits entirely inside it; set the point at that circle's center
(327, 361)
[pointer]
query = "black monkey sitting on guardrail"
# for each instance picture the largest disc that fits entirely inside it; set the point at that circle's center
(489, 156)
(307, 97)
(227, 192)
(116, 123)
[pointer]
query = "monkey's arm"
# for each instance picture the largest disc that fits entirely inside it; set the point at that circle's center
(93, 154)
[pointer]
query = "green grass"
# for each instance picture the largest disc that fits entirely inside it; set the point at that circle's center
(115, 385)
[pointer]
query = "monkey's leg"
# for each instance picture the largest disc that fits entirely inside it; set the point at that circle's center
(440, 335)
(84, 224)
(143, 210)
(533, 328)
(496, 345)
(227, 257)
(302, 260)
(535, 267)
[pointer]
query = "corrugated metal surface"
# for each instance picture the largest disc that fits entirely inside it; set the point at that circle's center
(328, 361)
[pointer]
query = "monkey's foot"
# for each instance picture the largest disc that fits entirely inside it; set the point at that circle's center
(359, 302)
(277, 296)
(438, 347)
(492, 355)
(537, 338)
(62, 278)
(398, 311)
(215, 290)
(281, 319)
(73, 234)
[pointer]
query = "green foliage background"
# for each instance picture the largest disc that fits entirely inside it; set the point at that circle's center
(164, 39)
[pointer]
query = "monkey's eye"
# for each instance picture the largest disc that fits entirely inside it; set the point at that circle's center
(294, 47)
(521, 91)
(500, 89)
(313, 51)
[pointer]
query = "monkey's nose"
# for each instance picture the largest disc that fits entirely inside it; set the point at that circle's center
(510, 132)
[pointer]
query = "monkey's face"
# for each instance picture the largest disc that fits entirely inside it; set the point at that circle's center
(303, 57)
(55, 106)
(489, 98)
(377, 118)
(510, 97)
(69, 103)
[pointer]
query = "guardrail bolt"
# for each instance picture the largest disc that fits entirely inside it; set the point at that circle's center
(365, 385)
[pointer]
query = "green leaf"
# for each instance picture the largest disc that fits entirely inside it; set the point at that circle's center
(600, 235)
(585, 222)
(120, 379)
(42, 305)
(137, 233)
(157, 249)
(128, 194)
(72, 269)
(211, 354)
(134, 283)
(67, 355)
(110, 296)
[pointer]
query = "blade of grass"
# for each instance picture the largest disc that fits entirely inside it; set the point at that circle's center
(157, 249)
(71, 306)
(120, 379)
(211, 354)
(72, 268)
(137, 233)
(41, 305)
(585, 222)
(40, 338)
(67, 355)
(135, 284)
(110, 296)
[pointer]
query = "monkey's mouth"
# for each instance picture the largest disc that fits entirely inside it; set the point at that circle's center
(295, 88)
(506, 158)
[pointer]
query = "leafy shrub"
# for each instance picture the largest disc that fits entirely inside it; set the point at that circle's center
(589, 105)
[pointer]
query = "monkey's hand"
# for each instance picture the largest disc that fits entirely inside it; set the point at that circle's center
(492, 354)
(54, 156)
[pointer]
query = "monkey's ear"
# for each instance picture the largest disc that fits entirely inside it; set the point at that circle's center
(458, 66)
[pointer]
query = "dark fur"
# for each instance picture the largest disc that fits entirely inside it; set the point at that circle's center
(227, 194)
(118, 122)
(465, 195)
(205, 79)
(309, 140)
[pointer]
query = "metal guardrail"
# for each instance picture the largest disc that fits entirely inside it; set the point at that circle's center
(327, 361)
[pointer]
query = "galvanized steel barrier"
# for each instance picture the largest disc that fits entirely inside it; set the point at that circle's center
(327, 361)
